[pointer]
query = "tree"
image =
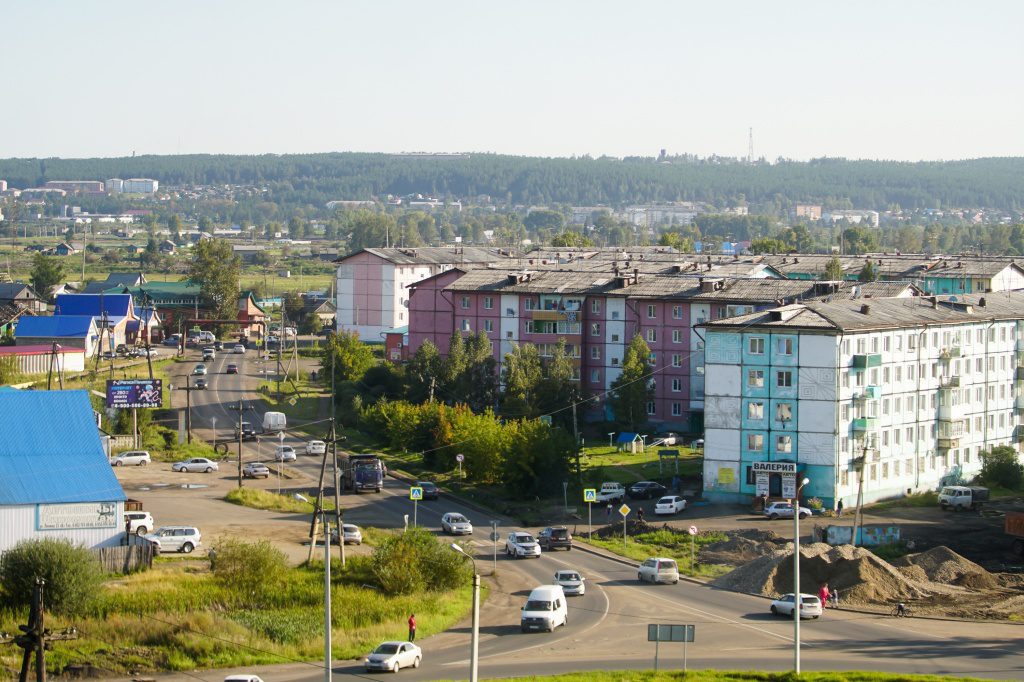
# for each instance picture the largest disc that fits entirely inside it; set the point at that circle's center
(477, 384)
(868, 273)
(47, 272)
(833, 270)
(522, 376)
(631, 390)
(677, 241)
(293, 306)
(859, 240)
(544, 219)
(296, 228)
(174, 227)
(205, 224)
(370, 230)
(798, 238)
(767, 245)
(72, 574)
(1002, 467)
(423, 372)
(348, 356)
(216, 270)
(570, 238)
(559, 390)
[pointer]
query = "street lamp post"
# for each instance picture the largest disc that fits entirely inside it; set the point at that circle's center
(280, 439)
(474, 647)
(797, 599)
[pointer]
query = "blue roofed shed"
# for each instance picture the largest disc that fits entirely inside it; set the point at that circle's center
(75, 331)
(57, 482)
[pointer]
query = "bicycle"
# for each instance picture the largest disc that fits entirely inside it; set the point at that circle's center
(901, 610)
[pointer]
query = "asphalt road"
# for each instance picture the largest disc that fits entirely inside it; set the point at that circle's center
(608, 626)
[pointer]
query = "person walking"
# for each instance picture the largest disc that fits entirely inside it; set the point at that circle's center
(823, 595)
(412, 627)
(639, 514)
(835, 598)
(839, 508)
(609, 509)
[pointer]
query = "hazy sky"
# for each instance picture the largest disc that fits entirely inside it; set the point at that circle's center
(895, 79)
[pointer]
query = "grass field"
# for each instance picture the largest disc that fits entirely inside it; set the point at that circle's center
(737, 676)
(662, 543)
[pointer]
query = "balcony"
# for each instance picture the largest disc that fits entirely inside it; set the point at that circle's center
(948, 442)
(1020, 374)
(863, 424)
(950, 413)
(863, 361)
(1018, 434)
(949, 353)
(949, 382)
(868, 393)
(1018, 404)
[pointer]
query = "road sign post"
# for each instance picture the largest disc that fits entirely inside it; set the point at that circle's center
(494, 539)
(624, 510)
(670, 633)
(460, 458)
(693, 556)
(415, 494)
(590, 497)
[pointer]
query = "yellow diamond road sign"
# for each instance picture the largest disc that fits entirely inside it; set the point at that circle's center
(590, 494)
(624, 510)
(415, 493)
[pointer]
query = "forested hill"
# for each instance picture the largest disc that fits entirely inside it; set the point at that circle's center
(991, 182)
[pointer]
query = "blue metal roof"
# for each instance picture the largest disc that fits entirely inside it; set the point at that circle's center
(50, 452)
(115, 305)
(72, 326)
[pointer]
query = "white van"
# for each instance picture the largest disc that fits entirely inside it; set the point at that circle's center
(545, 609)
(274, 422)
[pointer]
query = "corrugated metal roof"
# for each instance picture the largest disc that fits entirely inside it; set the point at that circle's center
(435, 255)
(44, 464)
(54, 327)
(115, 305)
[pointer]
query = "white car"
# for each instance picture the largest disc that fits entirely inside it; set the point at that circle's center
(456, 524)
(353, 536)
(199, 370)
(316, 447)
(810, 606)
(284, 453)
(571, 582)
(143, 352)
(670, 504)
(175, 538)
(139, 522)
(290, 332)
(239, 349)
(135, 458)
(196, 464)
(393, 656)
(256, 470)
(658, 570)
(521, 545)
(243, 678)
(784, 510)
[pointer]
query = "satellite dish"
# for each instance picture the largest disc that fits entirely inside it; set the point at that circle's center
(952, 299)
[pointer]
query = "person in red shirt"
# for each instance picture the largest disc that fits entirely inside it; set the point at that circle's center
(823, 595)
(412, 627)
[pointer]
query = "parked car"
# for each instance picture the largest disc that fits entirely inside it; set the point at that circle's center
(545, 609)
(316, 447)
(571, 582)
(430, 491)
(243, 678)
(142, 352)
(658, 570)
(456, 524)
(810, 606)
(645, 490)
(139, 522)
(239, 349)
(173, 341)
(698, 444)
(555, 537)
(353, 536)
(199, 370)
(290, 332)
(284, 453)
(784, 510)
(670, 504)
(393, 656)
(521, 545)
(200, 384)
(122, 350)
(231, 369)
(256, 470)
(138, 458)
(248, 432)
(108, 355)
(196, 464)
(611, 492)
(175, 538)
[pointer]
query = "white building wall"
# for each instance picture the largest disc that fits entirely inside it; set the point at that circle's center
(509, 325)
(18, 522)
(1009, 279)
(614, 339)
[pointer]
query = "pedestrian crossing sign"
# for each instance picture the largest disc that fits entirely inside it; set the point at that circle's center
(590, 494)
(416, 493)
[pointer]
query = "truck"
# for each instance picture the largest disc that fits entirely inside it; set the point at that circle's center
(611, 492)
(961, 497)
(1015, 529)
(362, 473)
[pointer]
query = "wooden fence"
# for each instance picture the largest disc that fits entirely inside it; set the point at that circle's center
(126, 559)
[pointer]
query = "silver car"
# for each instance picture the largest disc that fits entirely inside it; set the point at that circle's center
(138, 458)
(456, 524)
(571, 582)
(353, 536)
(256, 470)
(196, 464)
(393, 656)
(784, 510)
(182, 539)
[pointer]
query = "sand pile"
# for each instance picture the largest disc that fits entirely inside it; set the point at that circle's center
(860, 576)
(943, 565)
(741, 547)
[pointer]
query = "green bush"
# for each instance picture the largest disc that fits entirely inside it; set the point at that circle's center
(248, 568)
(1002, 468)
(72, 574)
(415, 561)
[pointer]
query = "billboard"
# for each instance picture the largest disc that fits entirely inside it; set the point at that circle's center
(134, 393)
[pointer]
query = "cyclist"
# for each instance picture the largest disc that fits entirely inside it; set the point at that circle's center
(901, 609)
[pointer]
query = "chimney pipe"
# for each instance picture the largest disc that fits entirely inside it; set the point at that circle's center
(865, 309)
(981, 302)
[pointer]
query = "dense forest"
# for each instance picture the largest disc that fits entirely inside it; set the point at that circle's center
(314, 179)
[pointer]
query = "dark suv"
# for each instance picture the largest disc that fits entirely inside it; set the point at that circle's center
(248, 432)
(554, 538)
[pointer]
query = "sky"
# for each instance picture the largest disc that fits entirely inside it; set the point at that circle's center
(904, 80)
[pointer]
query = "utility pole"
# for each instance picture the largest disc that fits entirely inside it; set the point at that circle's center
(188, 407)
(860, 463)
(37, 638)
(240, 408)
(337, 495)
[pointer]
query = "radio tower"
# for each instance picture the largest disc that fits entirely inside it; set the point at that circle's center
(750, 147)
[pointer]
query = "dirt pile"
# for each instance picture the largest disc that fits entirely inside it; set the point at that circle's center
(859, 575)
(943, 565)
(741, 547)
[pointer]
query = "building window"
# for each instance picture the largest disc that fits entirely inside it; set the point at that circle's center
(677, 336)
(650, 407)
(783, 412)
(615, 314)
(510, 312)
(784, 346)
(509, 335)
(531, 304)
(615, 338)
(652, 359)
(488, 303)
(652, 335)
(755, 378)
(595, 307)
(784, 444)
(615, 361)
(677, 360)
(677, 409)
(595, 353)
(755, 442)
(595, 376)
(465, 326)
(488, 326)
(677, 312)
(651, 311)
(755, 410)
(465, 302)
(756, 345)
(677, 385)
(784, 379)
(595, 329)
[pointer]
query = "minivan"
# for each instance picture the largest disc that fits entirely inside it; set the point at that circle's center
(658, 570)
(545, 609)
(274, 421)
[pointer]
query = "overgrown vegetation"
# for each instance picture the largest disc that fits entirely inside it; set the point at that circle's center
(241, 565)
(738, 676)
(72, 575)
(644, 541)
(256, 498)
(1000, 467)
(415, 561)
